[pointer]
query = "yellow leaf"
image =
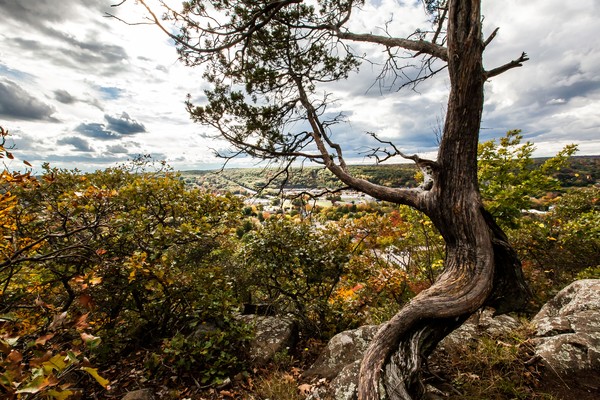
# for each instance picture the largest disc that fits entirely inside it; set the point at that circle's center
(94, 373)
(57, 362)
(55, 394)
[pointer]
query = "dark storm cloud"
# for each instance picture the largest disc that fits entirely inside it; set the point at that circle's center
(97, 131)
(17, 103)
(566, 92)
(115, 128)
(77, 142)
(124, 124)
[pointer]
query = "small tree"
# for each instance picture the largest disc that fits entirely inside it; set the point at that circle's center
(269, 60)
(509, 178)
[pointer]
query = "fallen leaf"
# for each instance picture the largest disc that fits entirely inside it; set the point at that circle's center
(305, 389)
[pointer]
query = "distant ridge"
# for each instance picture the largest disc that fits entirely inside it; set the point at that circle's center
(580, 171)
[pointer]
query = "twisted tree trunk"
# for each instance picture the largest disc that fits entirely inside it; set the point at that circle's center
(480, 266)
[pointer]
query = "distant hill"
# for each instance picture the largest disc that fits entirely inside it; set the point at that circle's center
(581, 171)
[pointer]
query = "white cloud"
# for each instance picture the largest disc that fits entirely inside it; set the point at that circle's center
(75, 66)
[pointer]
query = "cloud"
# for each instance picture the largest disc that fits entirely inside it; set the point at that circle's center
(64, 97)
(124, 124)
(96, 131)
(49, 39)
(77, 142)
(117, 149)
(42, 11)
(106, 59)
(115, 128)
(17, 103)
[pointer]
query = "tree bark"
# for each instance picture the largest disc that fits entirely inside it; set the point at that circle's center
(480, 265)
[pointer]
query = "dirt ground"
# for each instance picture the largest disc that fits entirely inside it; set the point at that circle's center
(582, 387)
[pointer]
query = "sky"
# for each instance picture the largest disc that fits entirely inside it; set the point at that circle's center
(80, 90)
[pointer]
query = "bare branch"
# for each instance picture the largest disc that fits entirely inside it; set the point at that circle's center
(421, 162)
(510, 65)
(440, 25)
(239, 34)
(421, 46)
(490, 38)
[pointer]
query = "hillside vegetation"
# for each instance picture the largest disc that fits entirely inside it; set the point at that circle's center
(130, 277)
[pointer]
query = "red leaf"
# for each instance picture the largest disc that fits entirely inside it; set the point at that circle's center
(43, 339)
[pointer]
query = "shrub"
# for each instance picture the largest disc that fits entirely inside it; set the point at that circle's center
(559, 246)
(296, 267)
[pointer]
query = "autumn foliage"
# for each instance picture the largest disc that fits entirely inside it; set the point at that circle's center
(129, 270)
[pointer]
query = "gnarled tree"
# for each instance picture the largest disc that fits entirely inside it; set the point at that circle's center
(269, 60)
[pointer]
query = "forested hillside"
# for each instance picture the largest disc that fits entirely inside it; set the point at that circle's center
(579, 171)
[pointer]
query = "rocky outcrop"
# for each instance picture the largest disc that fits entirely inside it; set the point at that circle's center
(272, 335)
(567, 331)
(480, 322)
(343, 349)
(340, 361)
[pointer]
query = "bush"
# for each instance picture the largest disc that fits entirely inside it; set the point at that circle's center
(558, 247)
(296, 267)
(139, 254)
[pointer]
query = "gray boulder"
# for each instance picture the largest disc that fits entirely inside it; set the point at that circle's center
(141, 394)
(339, 363)
(567, 330)
(272, 335)
(343, 349)
(482, 321)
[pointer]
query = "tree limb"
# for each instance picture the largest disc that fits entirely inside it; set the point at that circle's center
(490, 38)
(510, 65)
(421, 46)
